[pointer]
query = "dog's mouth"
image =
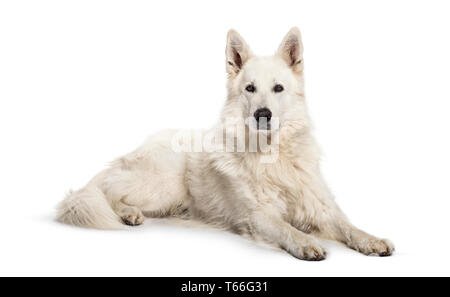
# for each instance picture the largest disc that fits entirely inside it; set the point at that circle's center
(263, 125)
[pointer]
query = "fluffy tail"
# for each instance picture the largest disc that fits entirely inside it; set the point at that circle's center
(89, 208)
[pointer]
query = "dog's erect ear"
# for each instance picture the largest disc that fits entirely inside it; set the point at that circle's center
(291, 50)
(237, 52)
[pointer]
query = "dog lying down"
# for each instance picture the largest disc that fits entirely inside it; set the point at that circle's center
(255, 173)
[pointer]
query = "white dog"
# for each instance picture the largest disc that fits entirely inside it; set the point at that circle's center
(282, 200)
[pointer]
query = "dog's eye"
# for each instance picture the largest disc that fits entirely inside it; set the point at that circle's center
(278, 88)
(250, 88)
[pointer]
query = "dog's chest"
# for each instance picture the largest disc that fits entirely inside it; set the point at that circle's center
(289, 187)
(280, 182)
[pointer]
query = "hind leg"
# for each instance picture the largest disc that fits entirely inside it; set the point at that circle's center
(130, 215)
(149, 180)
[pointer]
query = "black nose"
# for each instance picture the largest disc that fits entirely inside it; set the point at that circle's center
(263, 113)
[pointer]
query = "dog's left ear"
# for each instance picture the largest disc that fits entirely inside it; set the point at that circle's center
(291, 50)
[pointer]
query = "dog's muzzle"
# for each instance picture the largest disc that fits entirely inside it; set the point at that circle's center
(263, 116)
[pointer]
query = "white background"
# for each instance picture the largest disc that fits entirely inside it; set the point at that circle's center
(82, 82)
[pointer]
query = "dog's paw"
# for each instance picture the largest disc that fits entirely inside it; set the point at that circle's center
(132, 216)
(373, 246)
(310, 252)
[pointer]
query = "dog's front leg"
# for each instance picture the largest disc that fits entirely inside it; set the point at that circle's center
(337, 227)
(364, 242)
(295, 242)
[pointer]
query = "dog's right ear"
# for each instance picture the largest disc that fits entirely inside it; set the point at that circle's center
(237, 52)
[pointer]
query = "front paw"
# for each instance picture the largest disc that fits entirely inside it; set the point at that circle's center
(309, 252)
(373, 246)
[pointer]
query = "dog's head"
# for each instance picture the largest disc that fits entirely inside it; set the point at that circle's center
(266, 91)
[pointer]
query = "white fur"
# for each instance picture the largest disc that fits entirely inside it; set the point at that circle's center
(285, 202)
